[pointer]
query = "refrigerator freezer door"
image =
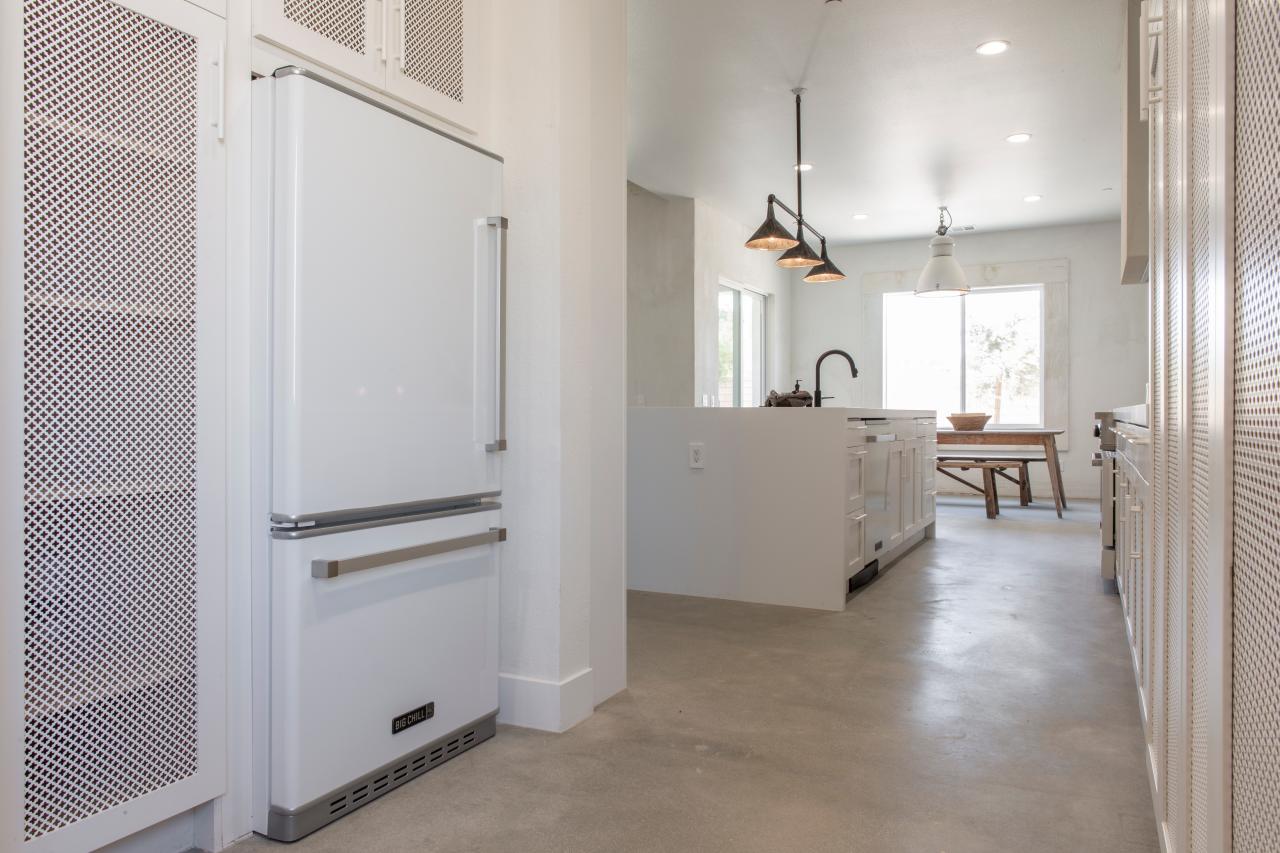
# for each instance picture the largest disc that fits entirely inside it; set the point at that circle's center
(385, 268)
(353, 654)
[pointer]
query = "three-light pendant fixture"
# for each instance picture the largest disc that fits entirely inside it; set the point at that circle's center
(942, 275)
(772, 236)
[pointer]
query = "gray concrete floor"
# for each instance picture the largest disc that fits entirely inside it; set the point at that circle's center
(977, 697)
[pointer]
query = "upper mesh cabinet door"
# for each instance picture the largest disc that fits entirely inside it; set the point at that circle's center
(347, 36)
(434, 62)
(112, 465)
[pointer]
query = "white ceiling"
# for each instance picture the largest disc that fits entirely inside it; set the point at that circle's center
(900, 114)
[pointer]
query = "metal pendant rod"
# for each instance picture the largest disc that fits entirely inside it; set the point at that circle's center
(799, 160)
(799, 220)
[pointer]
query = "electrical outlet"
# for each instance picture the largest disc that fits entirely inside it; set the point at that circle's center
(697, 454)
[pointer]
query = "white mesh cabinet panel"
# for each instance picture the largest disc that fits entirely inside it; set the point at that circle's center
(1150, 653)
(435, 57)
(1255, 728)
(1171, 461)
(116, 568)
(347, 36)
(1202, 284)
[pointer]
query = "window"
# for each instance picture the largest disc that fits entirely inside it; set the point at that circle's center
(741, 347)
(980, 353)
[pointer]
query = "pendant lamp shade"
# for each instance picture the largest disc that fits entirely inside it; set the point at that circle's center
(771, 236)
(942, 276)
(825, 271)
(799, 255)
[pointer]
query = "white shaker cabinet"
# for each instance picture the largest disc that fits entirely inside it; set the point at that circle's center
(112, 418)
(425, 53)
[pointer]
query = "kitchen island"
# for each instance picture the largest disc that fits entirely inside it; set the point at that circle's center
(775, 506)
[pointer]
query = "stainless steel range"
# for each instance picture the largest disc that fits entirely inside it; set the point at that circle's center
(1104, 458)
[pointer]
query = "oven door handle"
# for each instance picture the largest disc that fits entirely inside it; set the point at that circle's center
(326, 569)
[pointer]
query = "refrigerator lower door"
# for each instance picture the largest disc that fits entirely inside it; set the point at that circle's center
(384, 661)
(386, 275)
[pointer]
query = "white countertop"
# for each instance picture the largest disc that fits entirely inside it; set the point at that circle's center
(853, 414)
(1136, 415)
(869, 414)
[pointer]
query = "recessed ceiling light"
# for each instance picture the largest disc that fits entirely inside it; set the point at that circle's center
(1031, 198)
(1019, 137)
(861, 216)
(804, 167)
(993, 48)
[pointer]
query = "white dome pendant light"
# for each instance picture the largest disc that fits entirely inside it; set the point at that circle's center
(943, 275)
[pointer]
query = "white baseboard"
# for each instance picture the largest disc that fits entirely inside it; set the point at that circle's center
(551, 706)
(175, 835)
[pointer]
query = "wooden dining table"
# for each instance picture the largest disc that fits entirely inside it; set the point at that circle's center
(1046, 439)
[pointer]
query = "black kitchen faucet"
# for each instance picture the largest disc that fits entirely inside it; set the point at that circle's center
(817, 373)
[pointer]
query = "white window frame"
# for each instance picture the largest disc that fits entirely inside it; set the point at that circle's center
(765, 308)
(1038, 287)
(1052, 275)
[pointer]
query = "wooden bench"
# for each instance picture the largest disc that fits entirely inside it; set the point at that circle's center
(988, 470)
(1019, 461)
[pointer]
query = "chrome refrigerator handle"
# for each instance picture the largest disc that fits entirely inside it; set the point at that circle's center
(499, 224)
(327, 569)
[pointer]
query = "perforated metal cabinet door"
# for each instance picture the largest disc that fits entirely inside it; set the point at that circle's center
(1172, 450)
(111, 459)
(1203, 569)
(347, 36)
(435, 57)
(1255, 728)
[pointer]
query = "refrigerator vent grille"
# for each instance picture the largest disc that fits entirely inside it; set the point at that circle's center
(109, 255)
(368, 790)
(434, 45)
(1255, 726)
(340, 21)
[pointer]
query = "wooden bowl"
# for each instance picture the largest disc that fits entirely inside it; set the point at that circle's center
(968, 421)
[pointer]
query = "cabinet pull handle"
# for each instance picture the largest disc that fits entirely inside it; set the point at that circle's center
(500, 225)
(399, 58)
(220, 78)
(382, 30)
(327, 569)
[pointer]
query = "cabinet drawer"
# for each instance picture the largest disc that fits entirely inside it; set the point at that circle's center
(855, 479)
(854, 543)
(855, 434)
(926, 428)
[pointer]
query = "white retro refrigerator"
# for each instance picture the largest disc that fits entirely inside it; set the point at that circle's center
(380, 271)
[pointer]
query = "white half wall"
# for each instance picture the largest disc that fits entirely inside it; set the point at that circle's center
(763, 520)
(1107, 343)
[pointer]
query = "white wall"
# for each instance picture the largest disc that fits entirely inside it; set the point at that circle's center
(681, 249)
(660, 237)
(559, 118)
(1107, 323)
(719, 253)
